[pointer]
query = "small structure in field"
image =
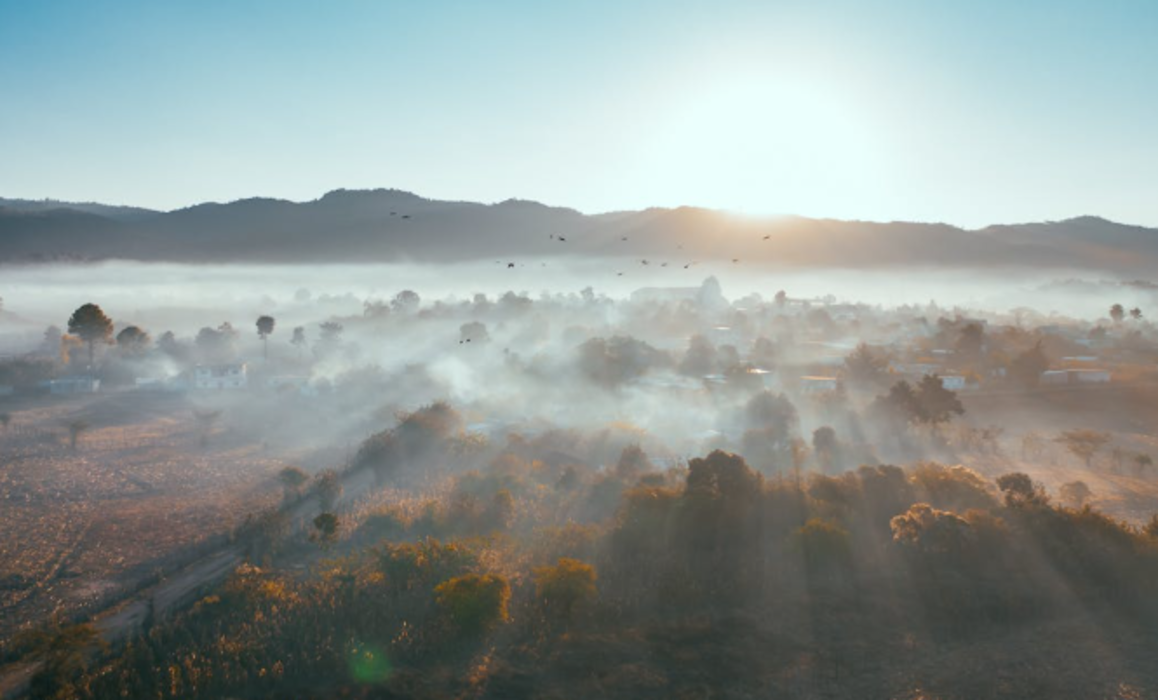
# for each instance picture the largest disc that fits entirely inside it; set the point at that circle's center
(953, 382)
(79, 384)
(1076, 376)
(230, 376)
(817, 384)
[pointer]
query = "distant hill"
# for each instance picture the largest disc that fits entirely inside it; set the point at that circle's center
(115, 212)
(393, 225)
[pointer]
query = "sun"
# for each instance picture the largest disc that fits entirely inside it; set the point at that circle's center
(767, 144)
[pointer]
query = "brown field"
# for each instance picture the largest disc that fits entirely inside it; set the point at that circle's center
(139, 494)
(1128, 412)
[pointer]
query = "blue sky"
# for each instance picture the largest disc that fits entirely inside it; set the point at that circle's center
(966, 112)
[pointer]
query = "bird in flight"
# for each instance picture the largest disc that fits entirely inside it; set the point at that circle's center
(510, 265)
(768, 237)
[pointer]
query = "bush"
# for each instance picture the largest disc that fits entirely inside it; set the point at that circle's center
(565, 585)
(475, 603)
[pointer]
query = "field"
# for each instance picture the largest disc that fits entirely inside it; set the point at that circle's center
(141, 492)
(1126, 412)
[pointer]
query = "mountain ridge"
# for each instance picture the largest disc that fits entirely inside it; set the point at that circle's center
(380, 225)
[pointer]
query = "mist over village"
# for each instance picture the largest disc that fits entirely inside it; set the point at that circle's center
(416, 375)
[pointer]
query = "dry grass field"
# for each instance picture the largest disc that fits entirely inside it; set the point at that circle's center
(1127, 412)
(83, 526)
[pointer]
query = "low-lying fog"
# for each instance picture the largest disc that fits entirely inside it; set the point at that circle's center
(184, 298)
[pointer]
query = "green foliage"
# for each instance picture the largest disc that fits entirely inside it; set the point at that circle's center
(823, 544)
(92, 326)
(328, 487)
(1075, 492)
(865, 369)
(956, 488)
(928, 530)
(424, 564)
(937, 404)
(326, 528)
(564, 586)
(292, 479)
(1021, 491)
(1083, 444)
(475, 603)
(1027, 367)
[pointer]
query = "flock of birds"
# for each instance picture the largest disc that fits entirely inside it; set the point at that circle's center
(563, 239)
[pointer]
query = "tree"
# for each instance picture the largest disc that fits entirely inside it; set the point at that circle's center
(564, 586)
(217, 345)
(1136, 313)
(1075, 492)
(1020, 490)
(265, 326)
(92, 326)
(168, 343)
(826, 447)
(326, 527)
(633, 463)
(1117, 312)
(781, 298)
(299, 339)
(700, 357)
(65, 651)
(823, 544)
(971, 341)
(1083, 443)
(473, 332)
(900, 404)
(132, 341)
(51, 343)
(930, 531)
(1141, 461)
(5, 420)
(864, 368)
(331, 332)
(75, 428)
(328, 485)
(292, 479)
(68, 344)
(937, 404)
(475, 603)
(1027, 367)
(406, 301)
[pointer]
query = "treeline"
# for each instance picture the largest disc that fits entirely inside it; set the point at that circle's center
(533, 573)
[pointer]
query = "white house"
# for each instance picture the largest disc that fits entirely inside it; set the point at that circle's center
(232, 376)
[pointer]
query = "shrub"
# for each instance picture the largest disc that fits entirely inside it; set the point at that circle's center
(475, 603)
(565, 585)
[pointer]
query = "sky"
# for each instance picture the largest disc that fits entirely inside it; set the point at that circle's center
(972, 112)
